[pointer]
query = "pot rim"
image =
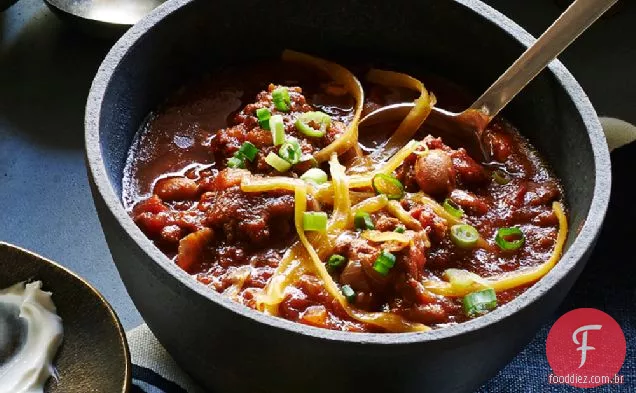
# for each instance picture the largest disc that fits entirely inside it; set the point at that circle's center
(583, 242)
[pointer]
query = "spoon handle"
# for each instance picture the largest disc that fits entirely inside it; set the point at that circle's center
(572, 22)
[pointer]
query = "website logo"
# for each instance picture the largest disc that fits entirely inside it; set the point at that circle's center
(586, 348)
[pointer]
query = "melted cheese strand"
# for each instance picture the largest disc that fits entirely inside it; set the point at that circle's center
(253, 183)
(296, 261)
(413, 120)
(364, 180)
(349, 139)
(341, 202)
(506, 281)
(389, 321)
(396, 209)
(289, 269)
(381, 237)
(441, 212)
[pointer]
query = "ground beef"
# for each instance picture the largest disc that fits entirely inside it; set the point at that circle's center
(255, 218)
(245, 127)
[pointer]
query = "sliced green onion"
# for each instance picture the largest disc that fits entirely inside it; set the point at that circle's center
(384, 263)
(400, 229)
(335, 262)
(280, 97)
(480, 302)
(247, 150)
(452, 208)
(387, 185)
(277, 163)
(315, 221)
(263, 115)
(383, 270)
(305, 123)
(386, 258)
(348, 293)
(315, 175)
(290, 151)
(504, 244)
(362, 220)
(464, 235)
(500, 177)
(235, 162)
(277, 126)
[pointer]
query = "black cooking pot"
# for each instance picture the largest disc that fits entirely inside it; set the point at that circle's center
(230, 348)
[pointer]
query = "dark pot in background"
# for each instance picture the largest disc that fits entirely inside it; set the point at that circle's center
(230, 348)
(4, 4)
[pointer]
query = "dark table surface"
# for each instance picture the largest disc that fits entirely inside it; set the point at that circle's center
(45, 73)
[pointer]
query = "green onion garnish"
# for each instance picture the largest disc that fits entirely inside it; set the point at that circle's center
(315, 175)
(235, 162)
(387, 185)
(500, 177)
(480, 302)
(504, 244)
(247, 150)
(452, 208)
(290, 151)
(280, 97)
(335, 262)
(277, 126)
(384, 263)
(464, 235)
(263, 115)
(305, 124)
(348, 293)
(315, 221)
(400, 229)
(277, 163)
(362, 220)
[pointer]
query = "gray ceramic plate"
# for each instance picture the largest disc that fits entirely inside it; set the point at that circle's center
(94, 355)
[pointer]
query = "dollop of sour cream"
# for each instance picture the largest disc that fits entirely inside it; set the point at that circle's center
(31, 365)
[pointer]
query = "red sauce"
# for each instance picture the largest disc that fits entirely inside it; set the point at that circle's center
(180, 193)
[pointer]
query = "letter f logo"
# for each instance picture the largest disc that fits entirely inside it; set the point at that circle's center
(584, 347)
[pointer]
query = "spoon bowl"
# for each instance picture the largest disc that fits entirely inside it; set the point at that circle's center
(469, 125)
(464, 128)
(104, 18)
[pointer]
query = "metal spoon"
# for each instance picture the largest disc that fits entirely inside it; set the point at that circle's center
(103, 17)
(468, 126)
